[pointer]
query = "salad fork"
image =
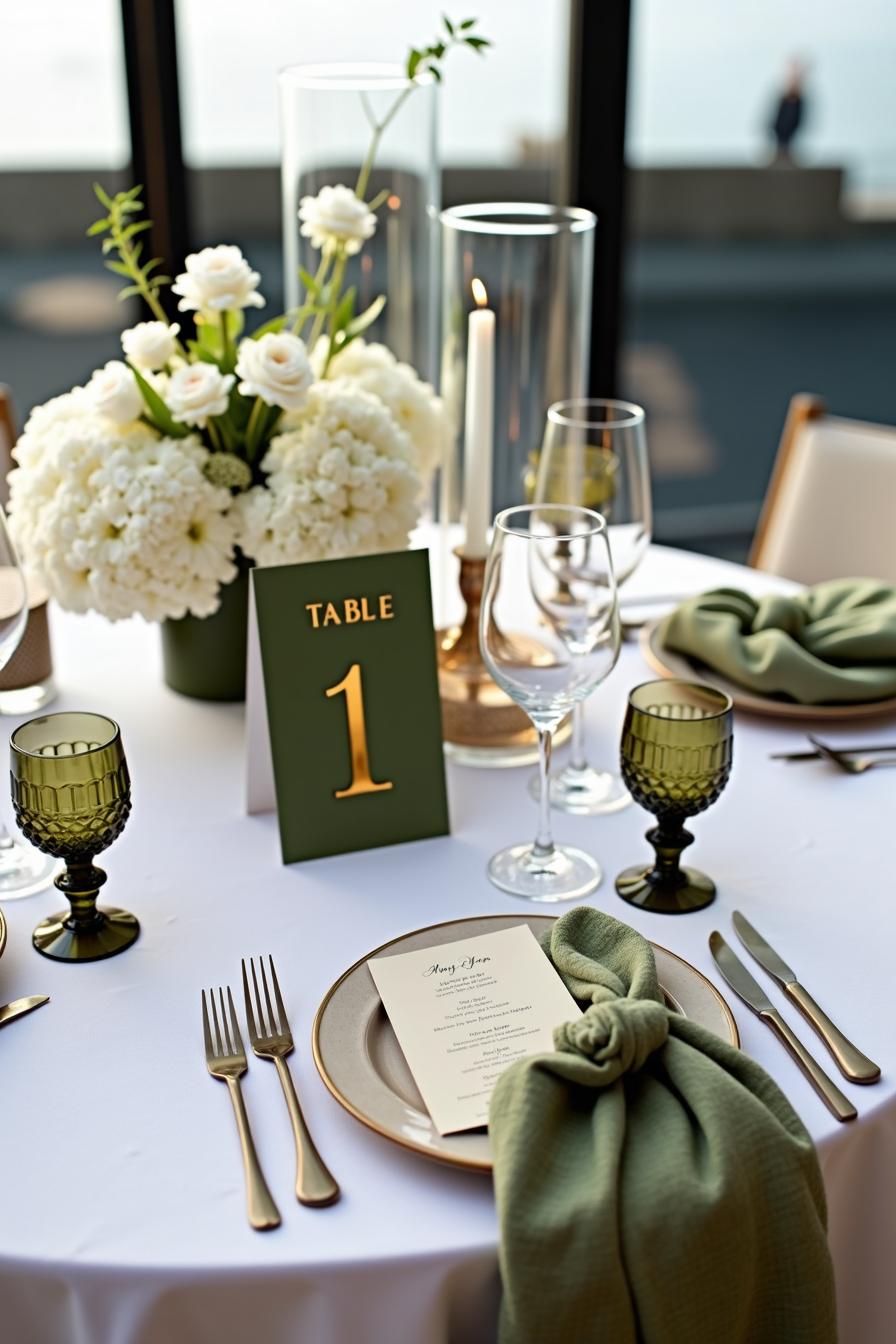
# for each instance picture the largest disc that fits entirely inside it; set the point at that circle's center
(226, 1060)
(271, 1038)
(853, 765)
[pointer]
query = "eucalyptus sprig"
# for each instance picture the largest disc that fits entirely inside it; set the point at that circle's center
(123, 231)
(456, 34)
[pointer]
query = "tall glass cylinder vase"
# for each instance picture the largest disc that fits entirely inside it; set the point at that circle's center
(329, 119)
(501, 368)
(536, 263)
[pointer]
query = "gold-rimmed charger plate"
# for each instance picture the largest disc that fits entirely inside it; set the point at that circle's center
(2, 933)
(359, 1058)
(670, 664)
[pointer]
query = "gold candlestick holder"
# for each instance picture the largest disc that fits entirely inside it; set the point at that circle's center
(481, 725)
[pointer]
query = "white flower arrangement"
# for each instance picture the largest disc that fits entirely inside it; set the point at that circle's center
(146, 490)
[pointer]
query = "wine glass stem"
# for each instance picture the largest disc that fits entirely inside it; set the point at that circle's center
(577, 759)
(544, 840)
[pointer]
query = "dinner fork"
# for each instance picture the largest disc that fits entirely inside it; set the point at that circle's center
(226, 1060)
(853, 765)
(272, 1039)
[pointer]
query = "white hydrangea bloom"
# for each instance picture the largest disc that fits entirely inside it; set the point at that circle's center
(412, 402)
(118, 520)
(341, 481)
(336, 218)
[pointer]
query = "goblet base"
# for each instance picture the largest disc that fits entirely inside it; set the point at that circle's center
(584, 791)
(696, 891)
(24, 870)
(564, 874)
(63, 940)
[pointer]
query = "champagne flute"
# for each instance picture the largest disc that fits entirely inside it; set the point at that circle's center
(549, 634)
(23, 869)
(595, 455)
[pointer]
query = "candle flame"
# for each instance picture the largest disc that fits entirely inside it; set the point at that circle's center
(480, 294)
(394, 202)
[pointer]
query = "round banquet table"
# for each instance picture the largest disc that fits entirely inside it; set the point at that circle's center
(122, 1194)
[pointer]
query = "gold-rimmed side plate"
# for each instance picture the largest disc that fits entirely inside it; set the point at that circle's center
(2, 933)
(359, 1058)
(669, 664)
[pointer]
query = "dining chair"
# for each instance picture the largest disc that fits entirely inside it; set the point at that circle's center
(828, 510)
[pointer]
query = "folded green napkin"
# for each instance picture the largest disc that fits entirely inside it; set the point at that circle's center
(833, 643)
(653, 1184)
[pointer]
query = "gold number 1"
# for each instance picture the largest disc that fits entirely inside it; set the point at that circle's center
(357, 735)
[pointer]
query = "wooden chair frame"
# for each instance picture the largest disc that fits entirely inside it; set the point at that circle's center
(804, 408)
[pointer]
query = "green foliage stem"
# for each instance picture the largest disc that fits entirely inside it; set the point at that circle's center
(122, 231)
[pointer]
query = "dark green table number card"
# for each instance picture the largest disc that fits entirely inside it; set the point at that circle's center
(346, 654)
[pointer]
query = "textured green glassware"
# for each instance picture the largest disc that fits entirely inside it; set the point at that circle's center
(676, 759)
(72, 795)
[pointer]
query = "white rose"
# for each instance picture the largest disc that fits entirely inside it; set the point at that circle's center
(336, 218)
(196, 392)
(276, 368)
(218, 279)
(150, 345)
(114, 392)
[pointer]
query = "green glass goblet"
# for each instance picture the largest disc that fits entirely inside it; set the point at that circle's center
(72, 794)
(676, 759)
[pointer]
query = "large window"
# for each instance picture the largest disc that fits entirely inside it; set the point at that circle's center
(63, 114)
(754, 274)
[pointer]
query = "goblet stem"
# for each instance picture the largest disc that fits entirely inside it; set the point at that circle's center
(80, 884)
(577, 758)
(544, 839)
(669, 839)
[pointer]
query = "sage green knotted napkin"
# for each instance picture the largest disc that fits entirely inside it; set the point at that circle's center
(831, 644)
(653, 1184)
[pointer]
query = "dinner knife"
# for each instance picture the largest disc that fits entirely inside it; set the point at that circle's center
(816, 755)
(746, 988)
(10, 1011)
(855, 1066)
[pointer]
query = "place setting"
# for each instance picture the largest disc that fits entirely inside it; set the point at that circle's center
(466, 812)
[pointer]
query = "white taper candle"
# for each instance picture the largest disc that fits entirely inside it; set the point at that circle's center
(479, 423)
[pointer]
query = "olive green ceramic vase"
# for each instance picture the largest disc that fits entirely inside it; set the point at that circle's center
(206, 658)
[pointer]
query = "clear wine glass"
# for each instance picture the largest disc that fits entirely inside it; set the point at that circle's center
(23, 869)
(594, 455)
(549, 634)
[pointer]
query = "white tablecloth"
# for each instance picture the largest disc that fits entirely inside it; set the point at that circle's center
(120, 1182)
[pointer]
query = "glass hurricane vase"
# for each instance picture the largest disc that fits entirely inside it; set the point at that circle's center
(327, 119)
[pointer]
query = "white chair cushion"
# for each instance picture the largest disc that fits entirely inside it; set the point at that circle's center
(834, 515)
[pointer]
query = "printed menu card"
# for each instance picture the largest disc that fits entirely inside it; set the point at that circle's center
(464, 1011)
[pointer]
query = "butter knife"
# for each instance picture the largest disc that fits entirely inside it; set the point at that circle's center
(10, 1011)
(746, 988)
(855, 1066)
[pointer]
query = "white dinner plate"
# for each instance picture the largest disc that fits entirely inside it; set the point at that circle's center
(361, 1062)
(670, 664)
